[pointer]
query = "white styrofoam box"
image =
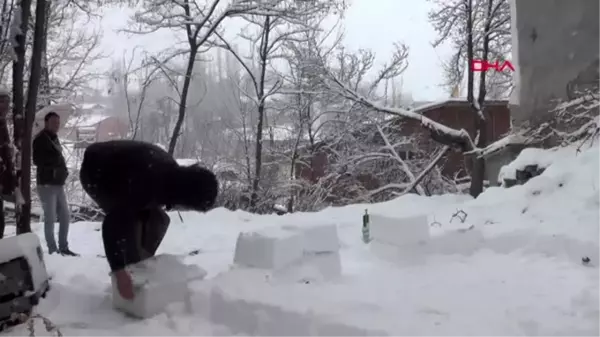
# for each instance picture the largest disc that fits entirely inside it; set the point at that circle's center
(23, 274)
(157, 281)
(269, 248)
(313, 267)
(26, 245)
(399, 231)
(322, 238)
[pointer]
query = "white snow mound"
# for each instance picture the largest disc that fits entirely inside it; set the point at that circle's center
(515, 261)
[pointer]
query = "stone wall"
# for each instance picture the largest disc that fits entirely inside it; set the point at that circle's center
(555, 52)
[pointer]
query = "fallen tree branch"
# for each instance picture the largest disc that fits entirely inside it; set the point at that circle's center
(440, 133)
(429, 167)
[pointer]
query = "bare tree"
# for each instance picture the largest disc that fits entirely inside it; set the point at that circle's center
(129, 91)
(6, 47)
(198, 20)
(473, 26)
(24, 221)
(19, 27)
(346, 87)
(70, 52)
(272, 32)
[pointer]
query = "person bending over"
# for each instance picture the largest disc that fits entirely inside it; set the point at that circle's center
(132, 181)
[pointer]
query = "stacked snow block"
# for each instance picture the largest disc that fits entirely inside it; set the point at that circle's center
(297, 251)
(321, 254)
(269, 248)
(157, 281)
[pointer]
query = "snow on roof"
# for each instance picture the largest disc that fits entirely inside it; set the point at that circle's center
(90, 106)
(85, 121)
(422, 107)
(281, 132)
(503, 142)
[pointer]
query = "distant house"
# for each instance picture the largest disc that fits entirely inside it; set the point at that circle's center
(91, 128)
(455, 113)
(458, 114)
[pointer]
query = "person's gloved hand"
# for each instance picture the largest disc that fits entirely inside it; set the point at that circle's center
(124, 284)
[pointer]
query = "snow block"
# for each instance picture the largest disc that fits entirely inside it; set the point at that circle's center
(270, 248)
(22, 271)
(405, 255)
(158, 282)
(399, 231)
(318, 238)
(315, 267)
(263, 319)
(461, 242)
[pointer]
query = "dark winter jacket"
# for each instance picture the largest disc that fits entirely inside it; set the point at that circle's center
(126, 178)
(49, 160)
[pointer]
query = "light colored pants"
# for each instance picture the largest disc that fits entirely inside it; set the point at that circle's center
(54, 203)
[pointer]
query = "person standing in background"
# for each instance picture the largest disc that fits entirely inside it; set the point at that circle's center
(51, 176)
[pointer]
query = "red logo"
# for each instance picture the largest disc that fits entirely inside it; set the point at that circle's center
(481, 65)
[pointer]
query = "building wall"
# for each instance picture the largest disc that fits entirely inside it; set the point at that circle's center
(555, 50)
(459, 115)
(111, 128)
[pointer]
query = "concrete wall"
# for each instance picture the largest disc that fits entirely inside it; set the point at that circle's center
(555, 51)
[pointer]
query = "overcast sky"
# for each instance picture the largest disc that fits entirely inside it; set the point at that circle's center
(372, 24)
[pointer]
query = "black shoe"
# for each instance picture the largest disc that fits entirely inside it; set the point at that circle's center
(52, 251)
(67, 252)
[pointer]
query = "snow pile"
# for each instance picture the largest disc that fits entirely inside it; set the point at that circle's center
(538, 157)
(507, 263)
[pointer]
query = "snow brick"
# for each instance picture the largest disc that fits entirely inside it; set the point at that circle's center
(252, 309)
(313, 268)
(399, 231)
(270, 248)
(318, 238)
(158, 282)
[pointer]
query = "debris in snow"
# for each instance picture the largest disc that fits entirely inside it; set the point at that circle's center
(461, 215)
(463, 230)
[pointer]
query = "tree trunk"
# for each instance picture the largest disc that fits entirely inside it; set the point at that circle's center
(478, 164)
(183, 103)
(264, 51)
(24, 225)
(7, 169)
(19, 100)
(478, 170)
(45, 98)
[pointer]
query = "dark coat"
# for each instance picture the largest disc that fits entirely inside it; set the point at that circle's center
(128, 179)
(126, 174)
(49, 160)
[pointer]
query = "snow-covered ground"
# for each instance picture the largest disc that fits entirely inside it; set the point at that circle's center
(524, 277)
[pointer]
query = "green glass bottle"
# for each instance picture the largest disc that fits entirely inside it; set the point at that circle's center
(366, 235)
